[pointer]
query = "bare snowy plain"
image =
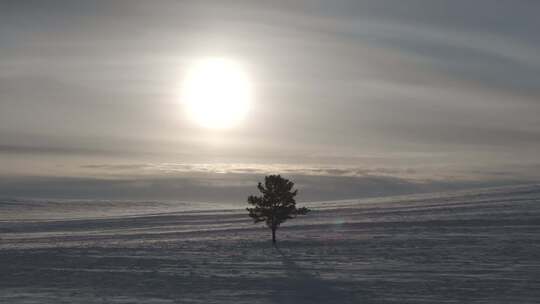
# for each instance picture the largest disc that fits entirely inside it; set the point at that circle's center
(479, 246)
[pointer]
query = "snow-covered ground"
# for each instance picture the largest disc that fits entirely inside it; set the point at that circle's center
(463, 247)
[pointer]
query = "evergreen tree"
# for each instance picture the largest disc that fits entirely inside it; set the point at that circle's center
(276, 205)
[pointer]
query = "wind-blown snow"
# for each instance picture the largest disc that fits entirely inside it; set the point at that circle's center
(478, 246)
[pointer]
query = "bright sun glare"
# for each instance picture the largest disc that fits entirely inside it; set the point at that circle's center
(217, 93)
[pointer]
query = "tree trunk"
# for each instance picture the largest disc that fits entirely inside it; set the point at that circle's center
(274, 236)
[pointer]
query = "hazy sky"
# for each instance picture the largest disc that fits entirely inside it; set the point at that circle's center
(352, 98)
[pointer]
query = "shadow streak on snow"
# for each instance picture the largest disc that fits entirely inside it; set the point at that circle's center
(304, 287)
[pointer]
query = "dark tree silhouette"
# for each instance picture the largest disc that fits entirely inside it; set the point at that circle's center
(276, 205)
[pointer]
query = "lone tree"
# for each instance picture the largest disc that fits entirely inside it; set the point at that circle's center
(276, 205)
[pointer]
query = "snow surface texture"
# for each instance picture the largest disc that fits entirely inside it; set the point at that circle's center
(463, 247)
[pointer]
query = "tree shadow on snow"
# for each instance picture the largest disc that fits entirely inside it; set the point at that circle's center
(300, 286)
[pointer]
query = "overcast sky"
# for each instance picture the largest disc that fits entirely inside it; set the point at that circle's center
(352, 98)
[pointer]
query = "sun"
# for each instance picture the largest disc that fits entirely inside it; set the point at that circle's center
(217, 93)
